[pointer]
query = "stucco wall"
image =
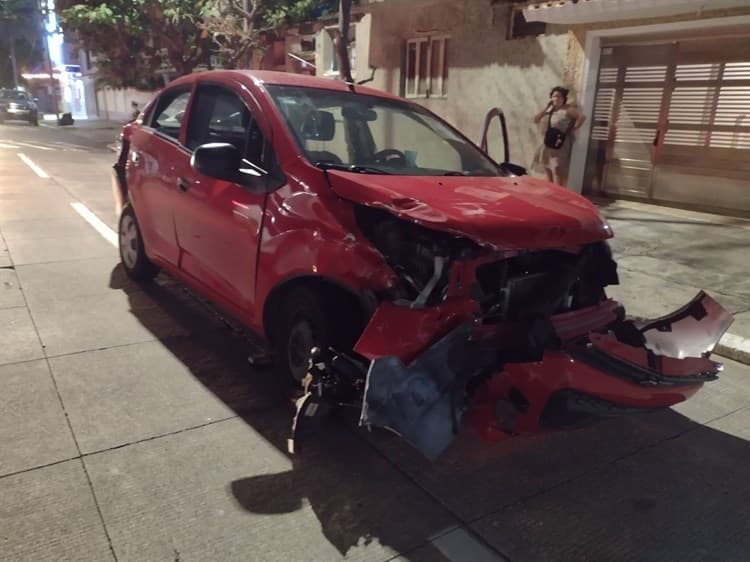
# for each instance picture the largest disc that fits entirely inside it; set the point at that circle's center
(115, 104)
(485, 69)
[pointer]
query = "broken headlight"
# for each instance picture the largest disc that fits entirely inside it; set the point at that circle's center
(420, 256)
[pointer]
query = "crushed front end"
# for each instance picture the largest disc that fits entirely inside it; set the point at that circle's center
(515, 341)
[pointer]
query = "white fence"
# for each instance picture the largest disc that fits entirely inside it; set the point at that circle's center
(115, 105)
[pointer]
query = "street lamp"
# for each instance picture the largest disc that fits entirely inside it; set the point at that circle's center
(47, 22)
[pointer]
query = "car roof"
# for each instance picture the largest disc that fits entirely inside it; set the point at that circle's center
(261, 77)
(8, 92)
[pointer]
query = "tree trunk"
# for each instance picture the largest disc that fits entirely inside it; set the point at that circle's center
(341, 42)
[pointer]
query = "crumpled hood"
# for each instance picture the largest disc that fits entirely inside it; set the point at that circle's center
(507, 213)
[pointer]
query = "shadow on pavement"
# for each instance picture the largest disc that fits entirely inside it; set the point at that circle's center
(357, 496)
(656, 487)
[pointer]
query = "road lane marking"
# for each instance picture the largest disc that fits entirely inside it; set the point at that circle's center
(107, 233)
(30, 145)
(57, 145)
(37, 170)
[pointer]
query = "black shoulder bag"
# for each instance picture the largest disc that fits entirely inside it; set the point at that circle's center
(554, 137)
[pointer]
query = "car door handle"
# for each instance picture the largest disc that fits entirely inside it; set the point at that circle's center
(183, 184)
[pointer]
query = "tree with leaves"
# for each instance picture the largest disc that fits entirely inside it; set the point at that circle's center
(134, 39)
(21, 38)
(240, 28)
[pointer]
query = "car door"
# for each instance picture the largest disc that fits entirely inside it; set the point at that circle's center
(218, 223)
(155, 154)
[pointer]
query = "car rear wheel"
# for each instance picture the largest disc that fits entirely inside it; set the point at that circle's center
(301, 326)
(132, 252)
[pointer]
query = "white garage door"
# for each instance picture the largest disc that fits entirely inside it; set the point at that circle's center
(672, 122)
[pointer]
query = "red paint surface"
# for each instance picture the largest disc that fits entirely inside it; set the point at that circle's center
(508, 213)
(558, 371)
(238, 247)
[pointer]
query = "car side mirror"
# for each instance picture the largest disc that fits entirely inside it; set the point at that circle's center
(513, 169)
(219, 160)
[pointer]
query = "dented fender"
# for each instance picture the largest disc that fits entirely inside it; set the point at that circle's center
(306, 238)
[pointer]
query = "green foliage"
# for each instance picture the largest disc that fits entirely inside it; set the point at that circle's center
(280, 12)
(20, 22)
(135, 40)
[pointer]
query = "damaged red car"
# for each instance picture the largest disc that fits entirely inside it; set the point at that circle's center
(391, 264)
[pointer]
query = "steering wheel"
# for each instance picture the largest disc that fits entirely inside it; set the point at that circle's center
(390, 156)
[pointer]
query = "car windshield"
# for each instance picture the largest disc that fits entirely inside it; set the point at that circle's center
(13, 95)
(370, 134)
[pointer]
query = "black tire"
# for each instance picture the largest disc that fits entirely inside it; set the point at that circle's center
(302, 324)
(132, 252)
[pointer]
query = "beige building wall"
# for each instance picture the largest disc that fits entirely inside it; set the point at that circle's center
(485, 69)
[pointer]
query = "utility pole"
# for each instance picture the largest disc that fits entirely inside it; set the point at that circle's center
(341, 41)
(8, 18)
(12, 40)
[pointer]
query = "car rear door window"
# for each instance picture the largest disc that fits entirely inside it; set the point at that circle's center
(170, 112)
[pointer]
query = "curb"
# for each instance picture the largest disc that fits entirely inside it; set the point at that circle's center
(734, 347)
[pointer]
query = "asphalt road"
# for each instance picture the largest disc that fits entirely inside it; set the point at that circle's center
(133, 428)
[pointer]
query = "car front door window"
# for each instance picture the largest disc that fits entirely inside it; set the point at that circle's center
(219, 115)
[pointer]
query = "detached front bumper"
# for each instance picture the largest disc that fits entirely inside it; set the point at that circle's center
(575, 368)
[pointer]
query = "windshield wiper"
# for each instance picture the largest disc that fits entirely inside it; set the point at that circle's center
(325, 165)
(472, 173)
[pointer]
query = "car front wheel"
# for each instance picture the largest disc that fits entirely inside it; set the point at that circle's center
(132, 252)
(301, 326)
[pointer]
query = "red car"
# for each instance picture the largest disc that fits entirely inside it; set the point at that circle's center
(433, 281)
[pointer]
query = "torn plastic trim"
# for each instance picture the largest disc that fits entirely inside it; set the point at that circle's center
(691, 331)
(607, 361)
(577, 323)
(674, 348)
(424, 401)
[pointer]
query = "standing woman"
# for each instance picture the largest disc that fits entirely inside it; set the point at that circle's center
(558, 120)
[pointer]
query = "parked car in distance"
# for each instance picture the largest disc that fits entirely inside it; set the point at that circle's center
(17, 104)
(432, 280)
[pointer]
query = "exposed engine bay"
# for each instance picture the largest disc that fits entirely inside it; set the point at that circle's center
(517, 341)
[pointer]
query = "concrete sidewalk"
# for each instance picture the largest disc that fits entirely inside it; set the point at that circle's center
(665, 256)
(93, 132)
(132, 428)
